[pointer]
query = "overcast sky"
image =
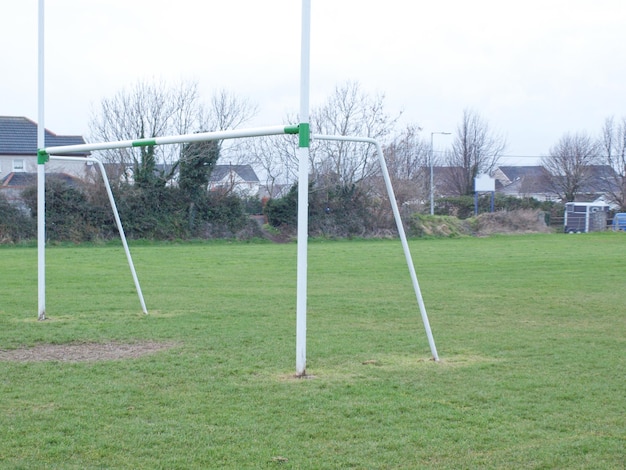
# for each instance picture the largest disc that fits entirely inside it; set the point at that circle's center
(533, 69)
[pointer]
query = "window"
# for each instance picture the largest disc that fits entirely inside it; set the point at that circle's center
(18, 164)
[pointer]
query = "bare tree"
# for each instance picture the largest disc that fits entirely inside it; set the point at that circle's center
(349, 111)
(407, 158)
(569, 164)
(476, 150)
(229, 111)
(154, 108)
(275, 157)
(407, 154)
(614, 146)
(148, 109)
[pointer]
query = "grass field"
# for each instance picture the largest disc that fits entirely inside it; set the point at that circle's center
(531, 331)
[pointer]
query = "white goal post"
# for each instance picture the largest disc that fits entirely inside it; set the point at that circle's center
(304, 138)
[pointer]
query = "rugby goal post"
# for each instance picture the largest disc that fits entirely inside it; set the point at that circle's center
(303, 151)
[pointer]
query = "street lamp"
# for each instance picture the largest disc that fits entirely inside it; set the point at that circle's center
(432, 189)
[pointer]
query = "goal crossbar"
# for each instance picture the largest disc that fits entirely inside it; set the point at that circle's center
(172, 139)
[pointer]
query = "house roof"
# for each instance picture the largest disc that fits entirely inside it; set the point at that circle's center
(514, 173)
(602, 171)
(601, 180)
(245, 172)
(18, 136)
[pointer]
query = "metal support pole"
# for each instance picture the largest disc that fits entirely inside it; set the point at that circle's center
(118, 222)
(41, 175)
(400, 227)
(303, 192)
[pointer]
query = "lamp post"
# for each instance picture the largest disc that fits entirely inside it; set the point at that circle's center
(432, 189)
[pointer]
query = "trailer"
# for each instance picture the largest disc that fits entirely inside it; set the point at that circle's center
(582, 217)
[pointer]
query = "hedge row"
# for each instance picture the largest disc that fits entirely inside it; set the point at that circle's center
(82, 212)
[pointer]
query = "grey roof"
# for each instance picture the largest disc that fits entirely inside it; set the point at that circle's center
(602, 171)
(602, 179)
(18, 136)
(245, 172)
(517, 172)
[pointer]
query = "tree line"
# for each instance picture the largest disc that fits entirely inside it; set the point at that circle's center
(163, 191)
(151, 109)
(81, 212)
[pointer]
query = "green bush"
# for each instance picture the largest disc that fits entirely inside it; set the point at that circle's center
(222, 215)
(151, 212)
(68, 211)
(334, 211)
(15, 225)
(283, 212)
(463, 207)
(83, 213)
(341, 211)
(252, 205)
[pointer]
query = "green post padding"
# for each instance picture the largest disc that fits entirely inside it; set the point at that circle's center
(305, 135)
(144, 142)
(42, 157)
(292, 129)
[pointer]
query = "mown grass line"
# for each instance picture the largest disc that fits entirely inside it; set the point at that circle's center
(530, 330)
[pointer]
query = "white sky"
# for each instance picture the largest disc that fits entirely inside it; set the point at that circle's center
(534, 69)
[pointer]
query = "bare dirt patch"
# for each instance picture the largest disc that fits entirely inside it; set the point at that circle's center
(84, 352)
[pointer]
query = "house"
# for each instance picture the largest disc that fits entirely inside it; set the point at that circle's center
(524, 182)
(240, 179)
(536, 182)
(274, 191)
(18, 151)
(600, 182)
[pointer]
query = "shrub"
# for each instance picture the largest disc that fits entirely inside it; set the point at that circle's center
(222, 215)
(421, 225)
(283, 211)
(15, 225)
(334, 211)
(82, 212)
(517, 221)
(68, 211)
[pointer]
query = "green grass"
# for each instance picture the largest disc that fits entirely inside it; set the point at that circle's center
(531, 331)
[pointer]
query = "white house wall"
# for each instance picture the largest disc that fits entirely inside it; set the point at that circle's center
(76, 169)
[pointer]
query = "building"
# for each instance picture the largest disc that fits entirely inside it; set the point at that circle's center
(524, 182)
(240, 179)
(18, 153)
(598, 183)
